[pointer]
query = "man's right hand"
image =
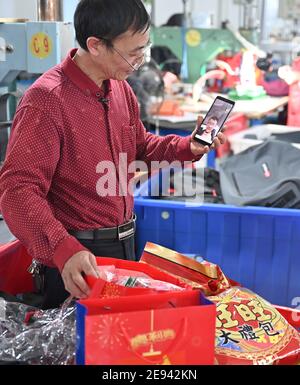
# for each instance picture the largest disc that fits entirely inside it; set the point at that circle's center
(81, 263)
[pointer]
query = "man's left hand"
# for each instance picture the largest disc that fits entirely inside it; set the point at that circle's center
(198, 148)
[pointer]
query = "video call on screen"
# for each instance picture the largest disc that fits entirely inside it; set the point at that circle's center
(220, 109)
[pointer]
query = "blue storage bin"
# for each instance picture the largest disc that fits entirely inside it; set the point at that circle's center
(258, 247)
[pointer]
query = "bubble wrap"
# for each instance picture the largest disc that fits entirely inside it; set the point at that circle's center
(36, 337)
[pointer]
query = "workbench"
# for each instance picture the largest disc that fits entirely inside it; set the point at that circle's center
(253, 109)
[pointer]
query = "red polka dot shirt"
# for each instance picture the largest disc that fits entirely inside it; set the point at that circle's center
(60, 133)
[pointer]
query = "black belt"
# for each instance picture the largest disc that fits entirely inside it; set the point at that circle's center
(121, 232)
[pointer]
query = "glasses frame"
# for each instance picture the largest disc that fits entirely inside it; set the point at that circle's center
(141, 57)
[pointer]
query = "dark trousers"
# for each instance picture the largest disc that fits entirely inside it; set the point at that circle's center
(54, 290)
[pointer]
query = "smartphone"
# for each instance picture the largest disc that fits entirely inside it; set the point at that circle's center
(214, 121)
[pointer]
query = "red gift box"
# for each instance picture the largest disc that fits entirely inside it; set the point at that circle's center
(205, 276)
(175, 328)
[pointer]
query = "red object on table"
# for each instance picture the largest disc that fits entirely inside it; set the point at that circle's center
(236, 123)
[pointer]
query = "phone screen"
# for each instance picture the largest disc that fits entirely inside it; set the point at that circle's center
(214, 121)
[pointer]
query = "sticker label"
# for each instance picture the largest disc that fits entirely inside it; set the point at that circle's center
(41, 45)
(193, 38)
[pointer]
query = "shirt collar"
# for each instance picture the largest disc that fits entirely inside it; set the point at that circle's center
(80, 79)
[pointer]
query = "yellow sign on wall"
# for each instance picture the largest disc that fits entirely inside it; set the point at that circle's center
(193, 38)
(41, 45)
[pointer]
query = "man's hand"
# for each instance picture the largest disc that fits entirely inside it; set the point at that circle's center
(75, 284)
(198, 148)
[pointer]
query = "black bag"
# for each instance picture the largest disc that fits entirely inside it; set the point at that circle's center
(188, 178)
(264, 175)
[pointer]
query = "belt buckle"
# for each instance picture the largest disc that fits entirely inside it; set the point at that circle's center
(126, 231)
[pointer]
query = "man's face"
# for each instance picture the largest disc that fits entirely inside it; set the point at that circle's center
(211, 124)
(128, 51)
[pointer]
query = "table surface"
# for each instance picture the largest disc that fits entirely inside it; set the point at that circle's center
(253, 109)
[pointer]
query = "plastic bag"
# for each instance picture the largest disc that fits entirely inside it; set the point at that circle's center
(131, 278)
(250, 331)
(35, 337)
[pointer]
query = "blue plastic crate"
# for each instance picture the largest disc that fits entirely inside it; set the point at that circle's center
(258, 247)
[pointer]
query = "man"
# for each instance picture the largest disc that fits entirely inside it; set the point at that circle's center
(210, 130)
(76, 116)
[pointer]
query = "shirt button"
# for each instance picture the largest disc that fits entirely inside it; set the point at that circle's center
(98, 94)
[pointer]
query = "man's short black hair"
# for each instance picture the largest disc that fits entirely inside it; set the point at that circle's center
(213, 118)
(108, 19)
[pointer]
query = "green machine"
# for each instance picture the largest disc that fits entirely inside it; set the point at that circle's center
(201, 45)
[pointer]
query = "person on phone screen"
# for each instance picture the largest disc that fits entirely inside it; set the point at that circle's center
(209, 131)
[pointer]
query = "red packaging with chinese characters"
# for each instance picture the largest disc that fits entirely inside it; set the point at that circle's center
(250, 331)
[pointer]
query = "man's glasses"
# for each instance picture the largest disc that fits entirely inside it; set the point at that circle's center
(139, 60)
